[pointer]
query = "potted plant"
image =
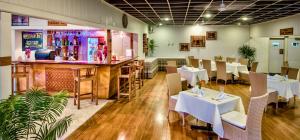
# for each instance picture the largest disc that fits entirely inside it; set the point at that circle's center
(34, 115)
(247, 52)
(151, 47)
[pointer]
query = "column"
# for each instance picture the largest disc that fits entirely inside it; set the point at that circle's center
(5, 55)
(109, 45)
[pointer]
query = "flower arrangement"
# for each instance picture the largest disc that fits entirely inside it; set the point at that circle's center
(27, 53)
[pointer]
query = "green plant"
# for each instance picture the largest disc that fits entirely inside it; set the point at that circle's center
(247, 52)
(33, 115)
(151, 46)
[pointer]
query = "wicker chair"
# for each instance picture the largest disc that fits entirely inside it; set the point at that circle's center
(126, 80)
(222, 74)
(174, 87)
(189, 60)
(293, 73)
(259, 87)
(243, 61)
(244, 75)
(207, 66)
(171, 63)
(284, 71)
(195, 63)
(139, 78)
(218, 58)
(230, 59)
(172, 69)
(19, 71)
(238, 126)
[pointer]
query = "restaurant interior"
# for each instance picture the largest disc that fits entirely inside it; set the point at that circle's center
(149, 69)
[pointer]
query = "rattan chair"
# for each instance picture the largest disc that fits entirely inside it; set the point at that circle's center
(243, 61)
(195, 63)
(293, 73)
(172, 69)
(230, 59)
(174, 87)
(139, 75)
(254, 66)
(222, 74)
(189, 60)
(171, 63)
(126, 80)
(284, 71)
(244, 75)
(207, 66)
(218, 58)
(238, 126)
(19, 71)
(259, 87)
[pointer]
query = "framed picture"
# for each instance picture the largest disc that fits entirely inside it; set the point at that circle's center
(17, 20)
(184, 46)
(32, 40)
(198, 41)
(211, 35)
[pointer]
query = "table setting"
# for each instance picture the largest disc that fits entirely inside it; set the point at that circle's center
(208, 105)
(286, 87)
(193, 75)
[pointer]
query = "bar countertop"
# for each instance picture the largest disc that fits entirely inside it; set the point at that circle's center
(115, 62)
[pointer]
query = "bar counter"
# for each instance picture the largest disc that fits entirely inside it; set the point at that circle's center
(57, 75)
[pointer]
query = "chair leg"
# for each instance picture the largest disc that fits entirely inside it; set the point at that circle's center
(78, 95)
(27, 82)
(276, 108)
(75, 90)
(92, 99)
(96, 92)
(294, 100)
(12, 86)
(129, 86)
(118, 88)
(183, 121)
(168, 116)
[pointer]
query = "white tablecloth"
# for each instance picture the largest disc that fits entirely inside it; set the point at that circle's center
(193, 75)
(207, 109)
(232, 67)
(285, 88)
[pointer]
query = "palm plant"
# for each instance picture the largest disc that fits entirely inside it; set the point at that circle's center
(151, 46)
(33, 115)
(247, 52)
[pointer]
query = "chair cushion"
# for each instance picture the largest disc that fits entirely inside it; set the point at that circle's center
(235, 118)
(175, 97)
(182, 79)
(244, 72)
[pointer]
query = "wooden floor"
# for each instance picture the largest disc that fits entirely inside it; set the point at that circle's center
(144, 118)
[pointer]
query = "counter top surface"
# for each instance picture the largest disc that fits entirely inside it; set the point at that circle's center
(75, 62)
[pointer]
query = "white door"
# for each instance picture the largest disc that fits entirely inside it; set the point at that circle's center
(275, 57)
(294, 52)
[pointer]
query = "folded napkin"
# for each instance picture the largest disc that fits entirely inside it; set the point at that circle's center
(198, 91)
(184, 67)
(220, 96)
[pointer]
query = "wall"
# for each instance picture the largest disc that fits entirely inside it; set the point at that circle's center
(229, 38)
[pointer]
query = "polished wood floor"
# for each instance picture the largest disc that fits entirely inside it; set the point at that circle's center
(144, 118)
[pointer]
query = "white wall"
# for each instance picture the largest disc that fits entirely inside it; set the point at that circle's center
(229, 38)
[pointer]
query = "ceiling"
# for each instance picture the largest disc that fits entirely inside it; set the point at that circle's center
(188, 12)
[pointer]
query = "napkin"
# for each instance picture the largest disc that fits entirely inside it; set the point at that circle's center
(184, 67)
(220, 96)
(198, 91)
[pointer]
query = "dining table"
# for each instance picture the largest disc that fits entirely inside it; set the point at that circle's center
(208, 107)
(285, 87)
(193, 75)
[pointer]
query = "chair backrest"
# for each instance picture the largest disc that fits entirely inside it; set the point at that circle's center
(218, 58)
(254, 66)
(258, 82)
(221, 70)
(285, 64)
(17, 67)
(207, 66)
(190, 59)
(195, 63)
(172, 63)
(243, 61)
(284, 71)
(171, 69)
(293, 73)
(173, 83)
(254, 116)
(230, 59)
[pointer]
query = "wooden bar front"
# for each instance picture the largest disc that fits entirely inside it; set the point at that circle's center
(107, 74)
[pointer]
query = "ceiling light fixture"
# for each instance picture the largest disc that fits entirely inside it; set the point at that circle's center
(160, 24)
(238, 23)
(207, 15)
(222, 6)
(166, 19)
(245, 18)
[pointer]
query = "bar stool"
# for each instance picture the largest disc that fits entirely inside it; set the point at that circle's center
(19, 71)
(90, 74)
(126, 80)
(139, 72)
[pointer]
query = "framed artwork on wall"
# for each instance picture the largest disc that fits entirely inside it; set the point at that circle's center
(197, 41)
(184, 46)
(211, 35)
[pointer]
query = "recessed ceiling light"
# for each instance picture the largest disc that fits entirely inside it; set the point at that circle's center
(238, 23)
(160, 24)
(166, 19)
(207, 15)
(245, 18)
(222, 7)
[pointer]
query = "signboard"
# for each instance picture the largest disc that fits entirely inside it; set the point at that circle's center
(17, 20)
(287, 31)
(32, 40)
(56, 23)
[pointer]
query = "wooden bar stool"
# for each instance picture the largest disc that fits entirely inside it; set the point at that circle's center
(83, 75)
(126, 80)
(139, 72)
(19, 71)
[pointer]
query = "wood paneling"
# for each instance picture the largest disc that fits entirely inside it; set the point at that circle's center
(144, 118)
(5, 61)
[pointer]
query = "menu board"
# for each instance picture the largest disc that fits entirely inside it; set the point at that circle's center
(17, 20)
(32, 40)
